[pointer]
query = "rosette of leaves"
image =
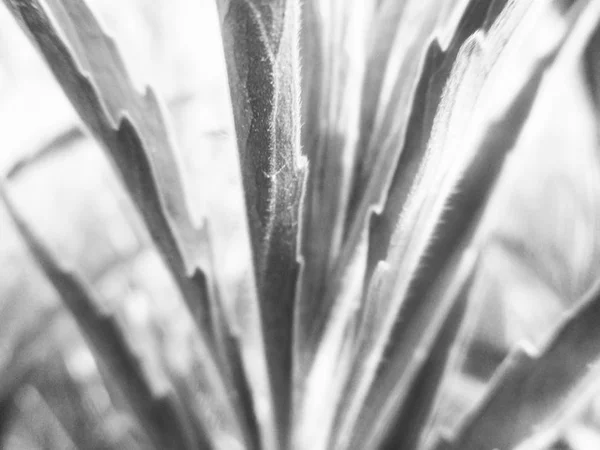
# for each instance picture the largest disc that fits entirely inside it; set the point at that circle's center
(380, 144)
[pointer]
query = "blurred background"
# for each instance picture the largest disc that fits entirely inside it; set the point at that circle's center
(542, 236)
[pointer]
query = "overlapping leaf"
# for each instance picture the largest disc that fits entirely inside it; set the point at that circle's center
(413, 224)
(334, 39)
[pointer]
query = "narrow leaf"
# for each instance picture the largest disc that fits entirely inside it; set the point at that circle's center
(261, 51)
